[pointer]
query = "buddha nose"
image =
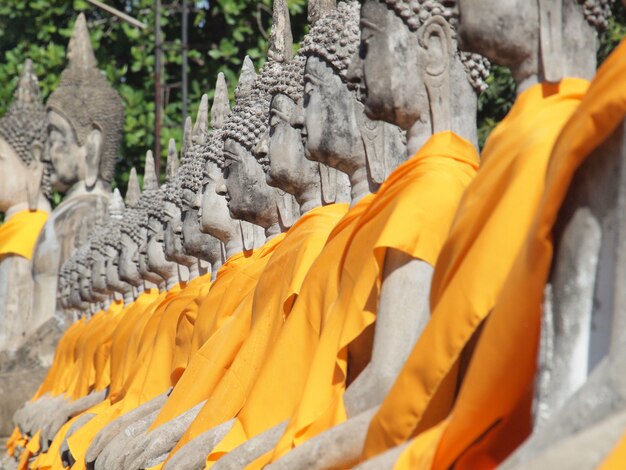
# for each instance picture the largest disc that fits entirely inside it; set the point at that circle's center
(220, 187)
(197, 202)
(355, 73)
(262, 148)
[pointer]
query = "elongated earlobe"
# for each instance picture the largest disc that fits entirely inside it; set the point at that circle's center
(436, 38)
(551, 39)
(93, 155)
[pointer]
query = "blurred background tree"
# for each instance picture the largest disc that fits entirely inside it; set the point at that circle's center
(221, 33)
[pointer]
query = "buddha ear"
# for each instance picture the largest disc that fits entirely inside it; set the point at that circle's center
(286, 205)
(328, 180)
(435, 39)
(33, 185)
(247, 235)
(93, 155)
(373, 138)
(551, 39)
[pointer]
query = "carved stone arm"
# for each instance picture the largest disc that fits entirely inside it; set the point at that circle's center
(252, 449)
(116, 426)
(193, 455)
(384, 461)
(339, 447)
(402, 315)
(157, 444)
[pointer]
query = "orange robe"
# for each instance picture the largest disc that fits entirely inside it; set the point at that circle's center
(98, 333)
(140, 383)
(491, 225)
(412, 213)
(494, 403)
(277, 289)
(615, 460)
(224, 314)
(63, 358)
(280, 381)
(18, 235)
(131, 320)
(216, 305)
(142, 308)
(55, 381)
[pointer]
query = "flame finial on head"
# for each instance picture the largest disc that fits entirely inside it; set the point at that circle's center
(133, 192)
(150, 180)
(221, 104)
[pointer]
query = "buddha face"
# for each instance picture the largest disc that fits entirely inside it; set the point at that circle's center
(66, 156)
(84, 285)
(247, 194)
(142, 260)
(14, 177)
(172, 236)
(196, 242)
(330, 125)
(98, 273)
(504, 31)
(114, 282)
(214, 215)
(64, 294)
(388, 51)
(157, 262)
(289, 170)
(75, 299)
(128, 261)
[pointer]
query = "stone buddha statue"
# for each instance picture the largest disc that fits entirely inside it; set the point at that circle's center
(104, 237)
(248, 195)
(204, 247)
(235, 235)
(253, 202)
(549, 65)
(155, 256)
(183, 190)
(181, 197)
(86, 118)
(24, 202)
(83, 266)
(438, 108)
(281, 150)
(132, 260)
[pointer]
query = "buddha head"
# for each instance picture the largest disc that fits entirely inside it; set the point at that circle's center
(110, 247)
(74, 298)
(155, 224)
(83, 267)
(98, 262)
(22, 140)
(171, 213)
(128, 261)
(214, 215)
(86, 118)
(248, 196)
(417, 38)
(337, 131)
(196, 243)
(213, 212)
(97, 253)
(547, 39)
(134, 227)
(64, 288)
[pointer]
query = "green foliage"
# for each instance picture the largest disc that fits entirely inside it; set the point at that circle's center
(220, 34)
(498, 99)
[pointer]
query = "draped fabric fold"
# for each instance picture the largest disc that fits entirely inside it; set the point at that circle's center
(19, 233)
(490, 227)
(412, 213)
